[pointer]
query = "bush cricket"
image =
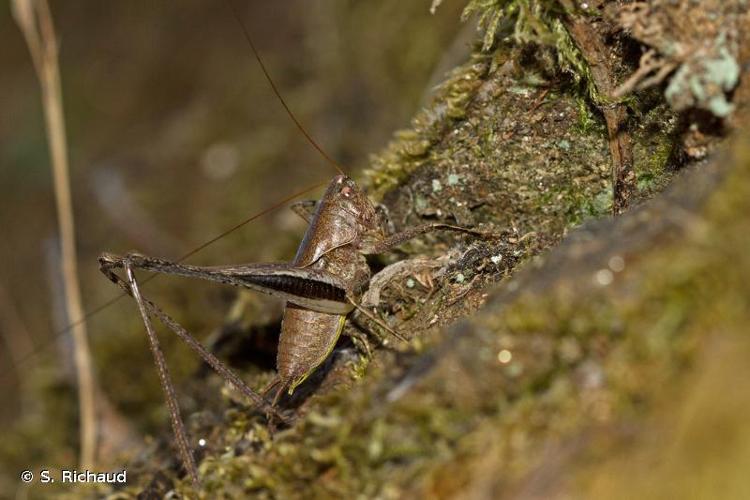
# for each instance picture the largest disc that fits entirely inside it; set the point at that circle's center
(321, 286)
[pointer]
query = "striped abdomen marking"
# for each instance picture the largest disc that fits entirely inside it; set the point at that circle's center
(300, 287)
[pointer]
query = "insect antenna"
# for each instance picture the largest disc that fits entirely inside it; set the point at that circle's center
(276, 91)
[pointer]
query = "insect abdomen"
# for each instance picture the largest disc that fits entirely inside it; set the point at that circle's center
(307, 338)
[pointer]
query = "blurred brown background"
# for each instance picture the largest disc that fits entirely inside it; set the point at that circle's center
(174, 136)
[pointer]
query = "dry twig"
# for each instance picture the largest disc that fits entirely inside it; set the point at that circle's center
(35, 22)
(594, 50)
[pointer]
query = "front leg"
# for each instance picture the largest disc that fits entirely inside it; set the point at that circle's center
(305, 209)
(397, 271)
(375, 244)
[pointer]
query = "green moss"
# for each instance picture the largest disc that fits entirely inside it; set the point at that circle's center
(536, 22)
(410, 148)
(586, 120)
(654, 152)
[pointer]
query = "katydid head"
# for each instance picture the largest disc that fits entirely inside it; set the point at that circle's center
(353, 201)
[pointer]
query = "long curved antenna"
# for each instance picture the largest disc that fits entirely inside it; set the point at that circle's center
(309, 138)
(5, 372)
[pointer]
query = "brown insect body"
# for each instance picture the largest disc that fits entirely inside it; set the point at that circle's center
(331, 244)
(322, 285)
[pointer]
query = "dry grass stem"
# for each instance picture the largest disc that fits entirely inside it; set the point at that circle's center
(35, 21)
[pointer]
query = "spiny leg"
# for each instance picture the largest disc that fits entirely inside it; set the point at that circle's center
(358, 334)
(400, 269)
(305, 209)
(371, 298)
(385, 216)
(377, 321)
(221, 369)
(273, 384)
(383, 244)
(166, 382)
(147, 307)
(278, 387)
(380, 244)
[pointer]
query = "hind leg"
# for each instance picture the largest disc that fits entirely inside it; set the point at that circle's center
(277, 387)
